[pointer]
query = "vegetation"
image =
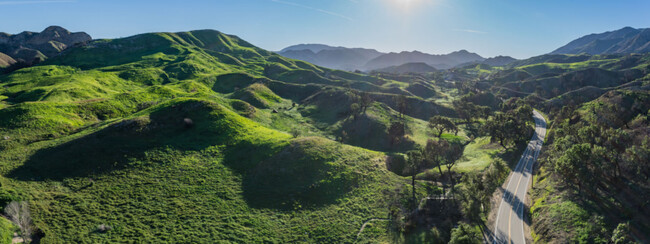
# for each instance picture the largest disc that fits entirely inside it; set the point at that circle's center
(199, 136)
(592, 174)
(202, 137)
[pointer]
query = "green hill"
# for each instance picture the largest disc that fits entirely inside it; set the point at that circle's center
(187, 137)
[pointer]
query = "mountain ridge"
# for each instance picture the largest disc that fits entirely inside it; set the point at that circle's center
(32, 47)
(370, 59)
(623, 41)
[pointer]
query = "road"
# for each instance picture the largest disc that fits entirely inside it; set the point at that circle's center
(509, 226)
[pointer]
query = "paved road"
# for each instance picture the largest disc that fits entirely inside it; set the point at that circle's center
(509, 226)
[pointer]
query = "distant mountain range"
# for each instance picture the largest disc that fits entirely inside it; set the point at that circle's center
(370, 59)
(495, 61)
(331, 57)
(418, 68)
(32, 47)
(623, 41)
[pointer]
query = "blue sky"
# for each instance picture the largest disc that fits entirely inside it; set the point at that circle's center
(519, 28)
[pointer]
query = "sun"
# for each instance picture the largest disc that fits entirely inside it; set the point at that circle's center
(404, 4)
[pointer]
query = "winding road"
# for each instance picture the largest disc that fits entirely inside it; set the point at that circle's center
(509, 226)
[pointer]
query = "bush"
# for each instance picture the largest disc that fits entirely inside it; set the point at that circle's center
(7, 196)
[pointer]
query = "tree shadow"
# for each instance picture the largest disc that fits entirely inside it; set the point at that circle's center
(519, 208)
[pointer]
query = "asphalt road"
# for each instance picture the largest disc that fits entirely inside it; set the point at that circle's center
(509, 226)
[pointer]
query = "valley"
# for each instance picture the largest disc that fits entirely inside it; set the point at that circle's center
(203, 137)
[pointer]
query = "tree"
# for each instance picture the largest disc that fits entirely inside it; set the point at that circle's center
(473, 195)
(414, 164)
(441, 124)
(440, 152)
(469, 111)
(396, 132)
(571, 165)
(19, 213)
(432, 153)
(465, 234)
(365, 101)
(451, 154)
(402, 105)
(510, 127)
(355, 110)
(621, 234)
(499, 128)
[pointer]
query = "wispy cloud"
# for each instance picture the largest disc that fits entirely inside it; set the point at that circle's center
(34, 2)
(314, 9)
(470, 31)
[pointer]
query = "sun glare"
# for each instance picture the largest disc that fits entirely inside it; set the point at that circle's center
(404, 4)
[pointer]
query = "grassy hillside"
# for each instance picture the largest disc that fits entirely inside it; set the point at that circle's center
(201, 137)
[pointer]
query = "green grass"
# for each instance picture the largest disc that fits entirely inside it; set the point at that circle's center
(478, 155)
(224, 171)
(560, 67)
(172, 137)
(7, 230)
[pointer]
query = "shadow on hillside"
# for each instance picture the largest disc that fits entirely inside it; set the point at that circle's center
(270, 179)
(121, 144)
(299, 176)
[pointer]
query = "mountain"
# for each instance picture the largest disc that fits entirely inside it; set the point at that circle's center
(499, 61)
(331, 57)
(623, 41)
(315, 48)
(30, 47)
(6, 61)
(437, 61)
(418, 68)
(369, 59)
(494, 61)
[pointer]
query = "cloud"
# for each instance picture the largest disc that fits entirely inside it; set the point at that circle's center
(470, 31)
(34, 2)
(314, 9)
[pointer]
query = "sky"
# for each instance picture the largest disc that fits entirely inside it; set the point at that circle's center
(517, 28)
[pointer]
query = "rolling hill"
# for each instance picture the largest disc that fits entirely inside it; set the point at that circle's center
(200, 137)
(6, 61)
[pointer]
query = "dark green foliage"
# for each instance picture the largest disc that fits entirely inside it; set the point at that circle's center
(441, 124)
(510, 127)
(465, 234)
(597, 163)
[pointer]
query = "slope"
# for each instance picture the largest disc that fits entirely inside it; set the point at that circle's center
(182, 137)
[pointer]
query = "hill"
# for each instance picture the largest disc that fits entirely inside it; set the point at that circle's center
(6, 61)
(624, 41)
(598, 109)
(201, 137)
(416, 68)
